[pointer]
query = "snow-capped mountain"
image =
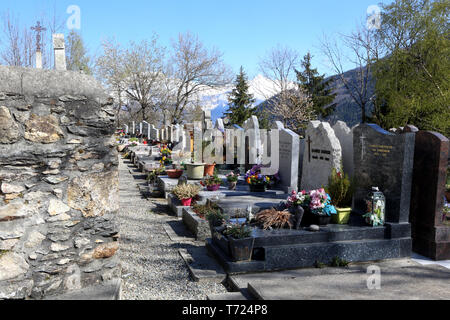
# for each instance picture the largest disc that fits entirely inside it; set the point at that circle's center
(216, 100)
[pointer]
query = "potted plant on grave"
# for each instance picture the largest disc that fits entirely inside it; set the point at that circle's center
(215, 217)
(257, 181)
(320, 207)
(209, 168)
(212, 183)
(232, 179)
(174, 173)
(340, 188)
(241, 242)
(185, 193)
(274, 181)
(152, 176)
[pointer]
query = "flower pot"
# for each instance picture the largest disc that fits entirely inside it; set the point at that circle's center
(258, 188)
(213, 187)
(342, 216)
(186, 202)
(195, 171)
(241, 249)
(209, 170)
(321, 220)
(232, 185)
(298, 212)
(174, 174)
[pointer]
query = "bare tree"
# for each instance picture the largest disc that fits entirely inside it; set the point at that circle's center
(281, 94)
(143, 67)
(19, 41)
(363, 53)
(18, 45)
(279, 66)
(195, 69)
(296, 110)
(109, 70)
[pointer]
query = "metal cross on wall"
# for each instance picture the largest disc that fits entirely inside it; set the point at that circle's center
(38, 28)
(309, 148)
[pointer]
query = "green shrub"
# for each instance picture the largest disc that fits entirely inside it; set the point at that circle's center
(340, 188)
(203, 210)
(238, 231)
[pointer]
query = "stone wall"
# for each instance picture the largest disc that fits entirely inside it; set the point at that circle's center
(58, 183)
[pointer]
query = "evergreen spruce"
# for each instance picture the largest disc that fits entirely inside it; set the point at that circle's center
(319, 89)
(77, 57)
(240, 101)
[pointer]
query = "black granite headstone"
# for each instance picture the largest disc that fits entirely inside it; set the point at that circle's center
(431, 237)
(384, 160)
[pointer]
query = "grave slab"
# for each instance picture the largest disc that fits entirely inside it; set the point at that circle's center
(199, 227)
(290, 249)
(406, 283)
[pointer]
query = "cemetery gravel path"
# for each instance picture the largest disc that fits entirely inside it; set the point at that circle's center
(152, 268)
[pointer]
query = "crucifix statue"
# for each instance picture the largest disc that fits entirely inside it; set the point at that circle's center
(38, 28)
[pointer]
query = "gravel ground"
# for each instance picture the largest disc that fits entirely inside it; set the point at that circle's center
(152, 268)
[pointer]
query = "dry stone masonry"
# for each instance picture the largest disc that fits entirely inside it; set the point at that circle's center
(58, 184)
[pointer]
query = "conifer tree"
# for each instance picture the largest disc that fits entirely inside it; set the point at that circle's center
(319, 89)
(77, 56)
(240, 101)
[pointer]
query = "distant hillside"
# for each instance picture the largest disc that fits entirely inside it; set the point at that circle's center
(346, 109)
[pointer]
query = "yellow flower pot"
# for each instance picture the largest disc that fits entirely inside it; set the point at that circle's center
(342, 216)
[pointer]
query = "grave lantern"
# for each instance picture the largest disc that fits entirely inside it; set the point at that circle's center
(376, 207)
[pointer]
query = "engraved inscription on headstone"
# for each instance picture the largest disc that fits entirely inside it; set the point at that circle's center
(384, 160)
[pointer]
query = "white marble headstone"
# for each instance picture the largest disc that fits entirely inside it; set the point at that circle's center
(345, 136)
(323, 152)
(255, 151)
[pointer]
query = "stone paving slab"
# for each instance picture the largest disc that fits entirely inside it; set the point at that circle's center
(110, 290)
(201, 265)
(230, 296)
(177, 232)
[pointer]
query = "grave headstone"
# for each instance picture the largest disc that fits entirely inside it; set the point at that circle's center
(146, 129)
(431, 237)
(289, 149)
(154, 133)
(323, 152)
(345, 136)
(253, 142)
(206, 120)
(59, 48)
(176, 133)
(384, 160)
(220, 125)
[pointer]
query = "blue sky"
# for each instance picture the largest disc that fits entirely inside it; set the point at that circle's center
(243, 30)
